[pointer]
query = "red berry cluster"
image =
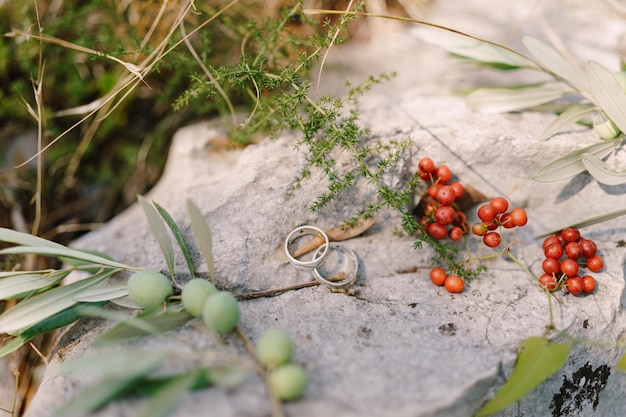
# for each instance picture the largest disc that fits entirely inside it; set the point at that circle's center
(441, 216)
(452, 283)
(493, 215)
(565, 252)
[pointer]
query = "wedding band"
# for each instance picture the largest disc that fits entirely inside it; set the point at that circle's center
(349, 278)
(317, 258)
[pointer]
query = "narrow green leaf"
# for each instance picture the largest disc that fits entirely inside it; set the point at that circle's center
(568, 117)
(551, 60)
(589, 222)
(115, 363)
(537, 360)
(149, 322)
(95, 397)
(472, 47)
(24, 239)
(38, 308)
(621, 365)
(64, 252)
(22, 285)
(177, 235)
(602, 172)
(56, 321)
(104, 293)
(160, 232)
(607, 91)
(500, 100)
(169, 395)
(571, 164)
(201, 231)
(15, 343)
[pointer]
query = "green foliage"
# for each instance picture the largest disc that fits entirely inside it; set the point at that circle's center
(537, 360)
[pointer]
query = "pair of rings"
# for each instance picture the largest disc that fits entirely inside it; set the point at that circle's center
(320, 255)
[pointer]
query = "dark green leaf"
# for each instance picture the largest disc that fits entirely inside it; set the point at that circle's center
(537, 360)
(169, 394)
(177, 235)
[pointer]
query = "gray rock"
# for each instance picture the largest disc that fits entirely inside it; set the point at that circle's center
(397, 345)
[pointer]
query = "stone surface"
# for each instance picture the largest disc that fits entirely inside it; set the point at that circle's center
(398, 345)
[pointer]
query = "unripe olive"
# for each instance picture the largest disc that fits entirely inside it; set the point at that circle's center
(221, 312)
(149, 288)
(620, 76)
(288, 381)
(605, 127)
(195, 294)
(274, 348)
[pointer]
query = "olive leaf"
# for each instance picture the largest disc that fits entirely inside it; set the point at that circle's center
(177, 235)
(569, 116)
(169, 394)
(160, 232)
(41, 306)
(608, 93)
(501, 100)
(202, 233)
(55, 321)
(126, 369)
(104, 293)
(571, 164)
(537, 359)
(20, 285)
(601, 171)
(551, 60)
(151, 321)
(472, 47)
(64, 252)
(589, 222)
(24, 239)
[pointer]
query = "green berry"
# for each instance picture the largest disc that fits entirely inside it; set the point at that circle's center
(149, 288)
(221, 312)
(195, 294)
(274, 348)
(288, 381)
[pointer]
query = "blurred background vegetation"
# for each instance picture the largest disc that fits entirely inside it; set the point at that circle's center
(97, 168)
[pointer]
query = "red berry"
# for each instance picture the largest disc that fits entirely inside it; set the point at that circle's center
(551, 266)
(570, 235)
(553, 251)
(459, 191)
(445, 194)
(479, 229)
(445, 214)
(574, 285)
(456, 233)
(426, 165)
(506, 220)
(487, 213)
(443, 174)
(569, 267)
(573, 250)
(423, 175)
(437, 230)
(429, 209)
(589, 284)
(460, 220)
(551, 240)
(492, 239)
(454, 284)
(500, 204)
(548, 281)
(595, 263)
(432, 190)
(437, 276)
(588, 247)
(519, 217)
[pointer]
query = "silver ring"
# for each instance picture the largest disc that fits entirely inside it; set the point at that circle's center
(349, 278)
(302, 231)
